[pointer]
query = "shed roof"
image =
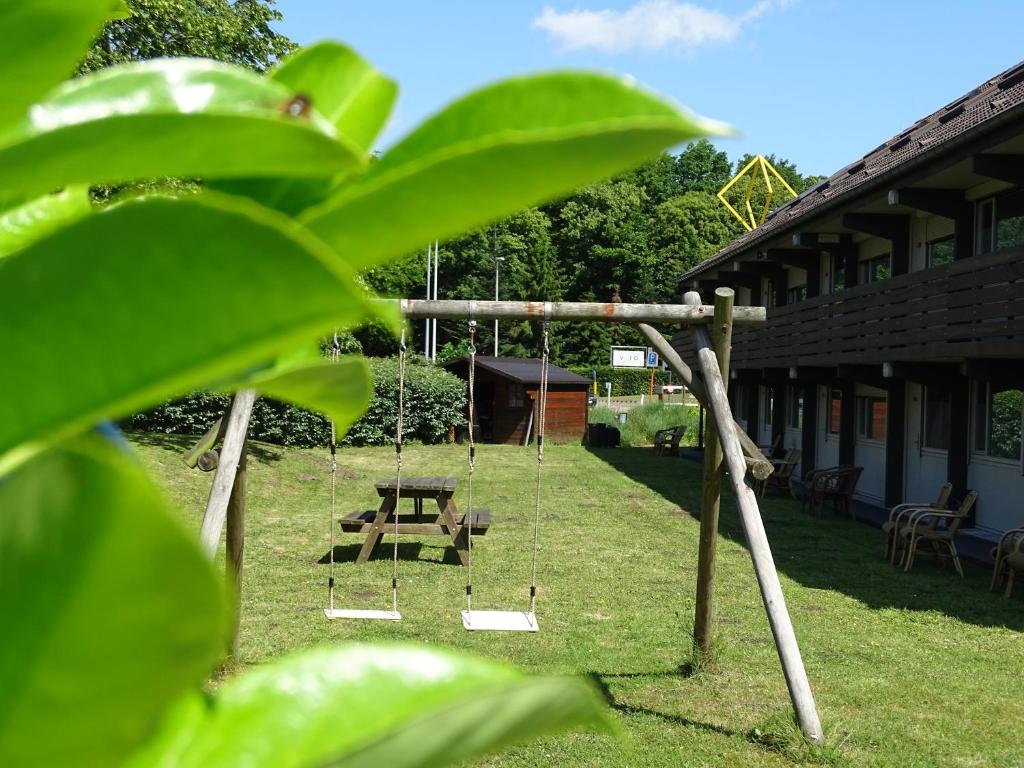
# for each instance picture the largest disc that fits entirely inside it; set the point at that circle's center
(525, 370)
(997, 100)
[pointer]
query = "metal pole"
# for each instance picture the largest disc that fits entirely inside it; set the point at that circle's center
(433, 340)
(757, 540)
(426, 325)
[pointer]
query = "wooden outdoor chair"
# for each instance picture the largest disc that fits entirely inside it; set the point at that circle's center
(835, 484)
(668, 439)
(900, 511)
(1008, 557)
(779, 480)
(774, 450)
(934, 527)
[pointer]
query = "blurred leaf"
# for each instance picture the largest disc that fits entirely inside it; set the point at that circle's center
(514, 144)
(119, 10)
(394, 706)
(172, 117)
(152, 298)
(20, 226)
(349, 92)
(43, 42)
(110, 608)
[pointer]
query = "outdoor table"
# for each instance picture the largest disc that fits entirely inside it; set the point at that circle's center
(447, 521)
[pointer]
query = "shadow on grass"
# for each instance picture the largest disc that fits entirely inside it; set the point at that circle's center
(407, 551)
(180, 444)
(823, 553)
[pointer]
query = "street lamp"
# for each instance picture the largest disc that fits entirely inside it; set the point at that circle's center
(497, 272)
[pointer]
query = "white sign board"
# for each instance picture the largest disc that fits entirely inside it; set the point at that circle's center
(629, 357)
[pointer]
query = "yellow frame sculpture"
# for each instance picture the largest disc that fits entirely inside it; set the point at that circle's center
(763, 169)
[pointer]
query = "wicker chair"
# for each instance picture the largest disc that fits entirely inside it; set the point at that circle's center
(900, 511)
(1008, 555)
(937, 528)
(835, 484)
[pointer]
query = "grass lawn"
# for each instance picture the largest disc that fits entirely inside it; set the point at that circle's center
(918, 669)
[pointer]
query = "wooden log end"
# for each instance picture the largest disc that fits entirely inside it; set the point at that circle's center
(760, 469)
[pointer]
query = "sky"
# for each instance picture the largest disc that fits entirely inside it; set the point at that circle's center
(818, 82)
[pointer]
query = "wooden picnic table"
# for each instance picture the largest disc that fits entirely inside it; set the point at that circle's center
(446, 522)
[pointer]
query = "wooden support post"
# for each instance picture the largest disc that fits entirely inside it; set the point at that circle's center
(757, 542)
(236, 547)
(206, 442)
(224, 480)
(704, 615)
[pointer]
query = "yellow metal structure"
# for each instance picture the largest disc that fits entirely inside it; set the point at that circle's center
(758, 168)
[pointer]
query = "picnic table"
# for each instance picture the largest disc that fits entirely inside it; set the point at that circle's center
(446, 522)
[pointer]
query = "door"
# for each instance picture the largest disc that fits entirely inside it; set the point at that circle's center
(829, 410)
(927, 443)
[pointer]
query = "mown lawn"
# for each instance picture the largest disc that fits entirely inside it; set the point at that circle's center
(908, 670)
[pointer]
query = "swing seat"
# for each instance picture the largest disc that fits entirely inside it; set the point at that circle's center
(348, 613)
(500, 621)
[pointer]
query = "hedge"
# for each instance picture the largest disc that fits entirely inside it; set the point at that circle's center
(625, 381)
(434, 402)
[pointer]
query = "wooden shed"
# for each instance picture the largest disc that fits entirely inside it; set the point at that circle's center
(507, 392)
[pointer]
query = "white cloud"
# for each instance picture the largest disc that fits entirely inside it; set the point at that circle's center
(650, 25)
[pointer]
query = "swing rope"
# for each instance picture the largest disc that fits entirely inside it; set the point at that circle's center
(398, 469)
(472, 467)
(545, 359)
(335, 354)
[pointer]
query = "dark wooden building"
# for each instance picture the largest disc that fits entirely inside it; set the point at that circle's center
(507, 398)
(895, 296)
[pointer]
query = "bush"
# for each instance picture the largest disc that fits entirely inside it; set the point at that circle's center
(435, 400)
(625, 381)
(643, 421)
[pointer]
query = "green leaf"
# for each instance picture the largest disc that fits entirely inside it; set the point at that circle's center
(152, 298)
(395, 706)
(43, 42)
(503, 148)
(30, 221)
(110, 608)
(172, 117)
(339, 389)
(349, 92)
(119, 10)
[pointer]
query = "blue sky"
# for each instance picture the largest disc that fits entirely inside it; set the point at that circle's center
(819, 82)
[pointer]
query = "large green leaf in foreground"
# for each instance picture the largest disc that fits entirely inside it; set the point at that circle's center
(508, 146)
(172, 117)
(21, 225)
(43, 41)
(110, 610)
(153, 298)
(370, 706)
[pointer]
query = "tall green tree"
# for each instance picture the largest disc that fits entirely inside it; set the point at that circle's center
(238, 32)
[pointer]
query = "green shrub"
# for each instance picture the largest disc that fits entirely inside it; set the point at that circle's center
(625, 381)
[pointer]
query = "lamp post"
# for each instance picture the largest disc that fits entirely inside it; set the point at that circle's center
(497, 272)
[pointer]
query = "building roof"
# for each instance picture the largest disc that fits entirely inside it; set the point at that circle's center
(525, 370)
(990, 105)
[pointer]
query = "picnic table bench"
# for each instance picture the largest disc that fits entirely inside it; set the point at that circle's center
(445, 522)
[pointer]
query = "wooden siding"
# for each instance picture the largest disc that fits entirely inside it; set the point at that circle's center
(566, 415)
(968, 308)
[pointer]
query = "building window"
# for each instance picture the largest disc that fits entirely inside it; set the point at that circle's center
(940, 251)
(936, 419)
(767, 406)
(516, 395)
(796, 293)
(997, 421)
(770, 297)
(794, 408)
(874, 270)
(837, 277)
(871, 413)
(835, 411)
(985, 226)
(1010, 220)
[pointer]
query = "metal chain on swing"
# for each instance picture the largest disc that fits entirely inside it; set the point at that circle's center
(472, 467)
(543, 407)
(398, 469)
(335, 354)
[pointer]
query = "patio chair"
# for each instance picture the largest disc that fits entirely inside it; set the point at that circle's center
(774, 450)
(900, 511)
(1008, 557)
(668, 439)
(779, 479)
(835, 484)
(937, 528)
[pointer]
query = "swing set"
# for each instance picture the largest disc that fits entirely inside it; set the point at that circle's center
(728, 448)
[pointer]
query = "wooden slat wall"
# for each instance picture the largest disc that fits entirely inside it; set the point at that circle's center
(969, 308)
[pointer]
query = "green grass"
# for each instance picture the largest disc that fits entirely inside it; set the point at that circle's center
(642, 421)
(918, 669)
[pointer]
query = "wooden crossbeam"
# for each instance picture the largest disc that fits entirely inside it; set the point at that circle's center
(948, 203)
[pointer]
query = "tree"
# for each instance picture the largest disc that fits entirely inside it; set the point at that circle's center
(687, 230)
(237, 32)
(702, 168)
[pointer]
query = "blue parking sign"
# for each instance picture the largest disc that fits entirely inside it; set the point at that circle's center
(652, 358)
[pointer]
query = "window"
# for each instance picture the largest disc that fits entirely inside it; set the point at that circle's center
(767, 405)
(770, 298)
(873, 270)
(984, 226)
(871, 413)
(997, 421)
(940, 251)
(835, 411)
(936, 419)
(837, 277)
(796, 293)
(1010, 220)
(794, 408)
(516, 395)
